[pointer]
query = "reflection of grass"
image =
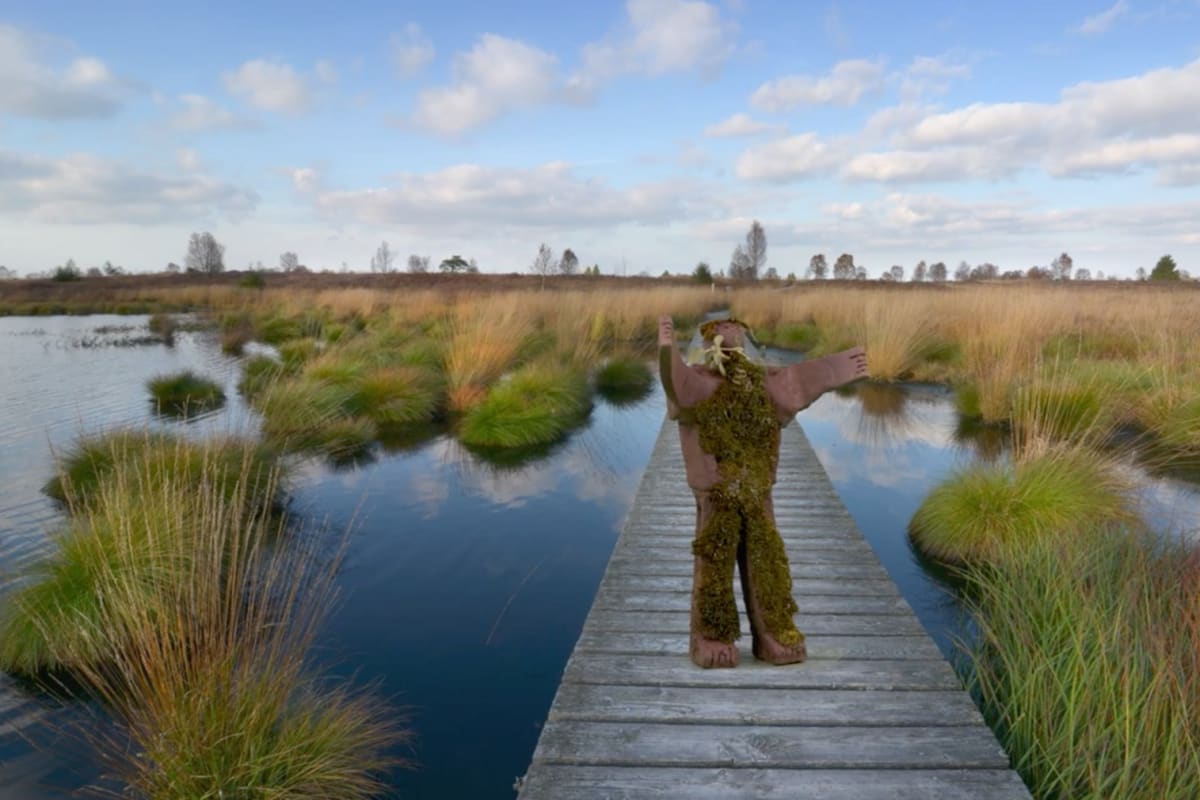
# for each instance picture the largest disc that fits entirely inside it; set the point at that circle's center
(535, 405)
(1087, 664)
(974, 515)
(185, 393)
(623, 380)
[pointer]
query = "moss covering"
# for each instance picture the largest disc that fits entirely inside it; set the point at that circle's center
(738, 427)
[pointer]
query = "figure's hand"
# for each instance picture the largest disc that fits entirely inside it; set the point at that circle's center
(666, 331)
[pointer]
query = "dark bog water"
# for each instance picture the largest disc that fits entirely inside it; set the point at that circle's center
(465, 584)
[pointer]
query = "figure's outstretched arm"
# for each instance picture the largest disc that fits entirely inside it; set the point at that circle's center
(683, 386)
(797, 386)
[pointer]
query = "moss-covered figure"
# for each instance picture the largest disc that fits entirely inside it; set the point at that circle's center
(730, 413)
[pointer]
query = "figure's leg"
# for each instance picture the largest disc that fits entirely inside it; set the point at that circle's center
(713, 626)
(767, 589)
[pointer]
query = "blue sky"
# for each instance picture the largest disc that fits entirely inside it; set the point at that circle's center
(645, 135)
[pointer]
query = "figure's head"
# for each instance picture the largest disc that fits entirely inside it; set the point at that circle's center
(731, 331)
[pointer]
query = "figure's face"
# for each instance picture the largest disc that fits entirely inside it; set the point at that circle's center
(731, 334)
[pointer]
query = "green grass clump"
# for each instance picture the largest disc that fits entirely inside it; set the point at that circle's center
(297, 352)
(1087, 668)
(622, 380)
(1062, 410)
(164, 326)
(277, 330)
(979, 513)
(533, 406)
(258, 373)
(158, 460)
(296, 411)
(185, 393)
(396, 395)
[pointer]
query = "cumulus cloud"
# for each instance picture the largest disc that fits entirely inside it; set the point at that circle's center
(496, 76)
(548, 196)
(658, 37)
(1125, 125)
(804, 155)
(411, 50)
(31, 86)
(1100, 23)
(269, 86)
(326, 72)
(739, 125)
(845, 85)
(198, 113)
(84, 189)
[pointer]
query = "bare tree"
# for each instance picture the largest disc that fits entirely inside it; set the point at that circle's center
(418, 264)
(919, 272)
(739, 264)
(817, 268)
(289, 261)
(1060, 268)
(569, 263)
(543, 263)
(1083, 274)
(748, 259)
(205, 254)
(897, 272)
(937, 272)
(1141, 273)
(843, 268)
(383, 259)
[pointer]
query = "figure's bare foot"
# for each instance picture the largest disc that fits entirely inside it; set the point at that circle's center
(768, 648)
(711, 654)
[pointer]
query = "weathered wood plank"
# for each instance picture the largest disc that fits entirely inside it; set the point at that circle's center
(843, 554)
(819, 646)
(876, 585)
(603, 703)
(809, 622)
(607, 598)
(794, 747)
(652, 670)
(555, 782)
(625, 568)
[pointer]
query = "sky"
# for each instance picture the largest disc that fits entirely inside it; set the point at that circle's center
(645, 135)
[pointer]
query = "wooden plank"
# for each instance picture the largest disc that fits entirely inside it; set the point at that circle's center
(843, 554)
(652, 670)
(790, 747)
(616, 600)
(809, 622)
(819, 646)
(630, 569)
(557, 782)
(878, 585)
(717, 706)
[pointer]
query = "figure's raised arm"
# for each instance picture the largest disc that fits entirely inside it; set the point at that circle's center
(797, 386)
(683, 386)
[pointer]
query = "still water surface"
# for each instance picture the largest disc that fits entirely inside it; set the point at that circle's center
(465, 584)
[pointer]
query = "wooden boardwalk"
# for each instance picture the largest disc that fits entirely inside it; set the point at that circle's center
(875, 712)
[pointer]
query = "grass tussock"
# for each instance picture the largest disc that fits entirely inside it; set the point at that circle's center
(185, 393)
(623, 380)
(533, 406)
(184, 617)
(1087, 663)
(986, 510)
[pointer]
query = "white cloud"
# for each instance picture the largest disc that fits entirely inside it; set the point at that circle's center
(269, 85)
(326, 72)
(187, 159)
(411, 50)
(932, 75)
(31, 87)
(793, 157)
(659, 37)
(85, 189)
(1099, 23)
(198, 113)
(845, 85)
(550, 196)
(304, 179)
(1120, 156)
(496, 76)
(739, 125)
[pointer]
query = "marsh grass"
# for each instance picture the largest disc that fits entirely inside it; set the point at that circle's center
(1087, 663)
(259, 372)
(536, 405)
(185, 393)
(983, 511)
(623, 380)
(481, 342)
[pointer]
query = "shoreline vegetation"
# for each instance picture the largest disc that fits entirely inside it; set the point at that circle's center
(1086, 661)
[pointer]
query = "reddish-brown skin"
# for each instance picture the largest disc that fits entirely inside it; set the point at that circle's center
(791, 389)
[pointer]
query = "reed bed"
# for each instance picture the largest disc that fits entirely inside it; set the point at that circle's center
(1087, 664)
